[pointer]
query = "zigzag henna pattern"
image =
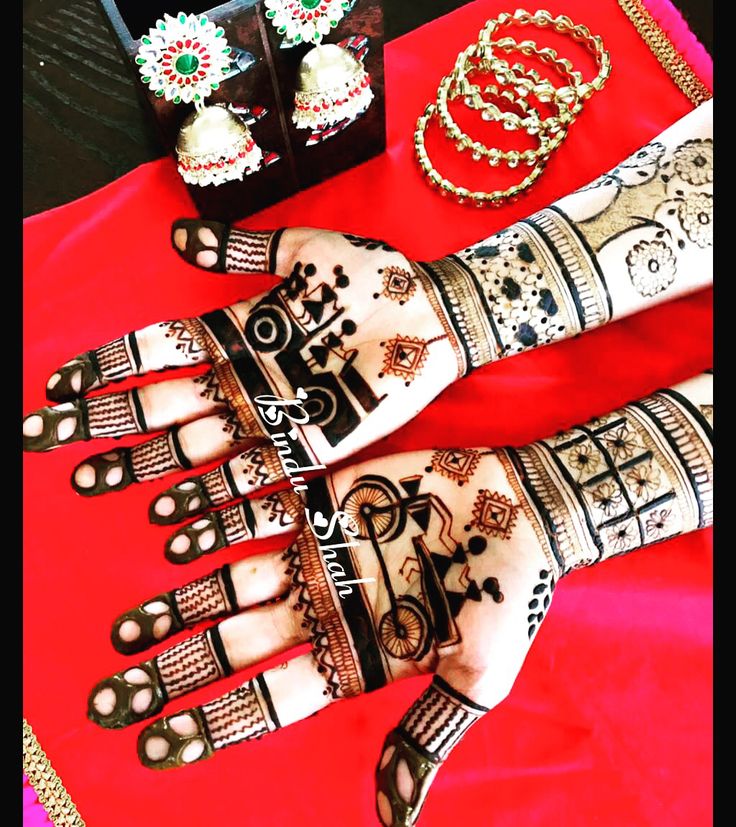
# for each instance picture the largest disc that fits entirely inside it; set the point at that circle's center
(115, 414)
(216, 486)
(422, 741)
(193, 663)
(208, 597)
(211, 388)
(244, 714)
(116, 470)
(251, 251)
(157, 457)
(313, 607)
(166, 614)
(439, 719)
(231, 425)
(112, 362)
(182, 668)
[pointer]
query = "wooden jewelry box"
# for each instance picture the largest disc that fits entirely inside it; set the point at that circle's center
(260, 87)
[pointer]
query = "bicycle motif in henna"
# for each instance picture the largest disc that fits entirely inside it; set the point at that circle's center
(414, 623)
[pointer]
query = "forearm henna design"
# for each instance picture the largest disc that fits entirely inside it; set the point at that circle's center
(635, 477)
(546, 278)
(166, 614)
(141, 691)
(413, 752)
(244, 714)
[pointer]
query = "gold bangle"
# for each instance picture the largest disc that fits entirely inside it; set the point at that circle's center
(463, 141)
(495, 198)
(523, 83)
(564, 25)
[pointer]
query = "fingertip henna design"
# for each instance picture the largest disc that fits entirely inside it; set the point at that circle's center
(225, 249)
(73, 379)
(152, 621)
(111, 415)
(205, 598)
(141, 691)
(116, 470)
(245, 714)
(414, 751)
(212, 532)
(193, 495)
(191, 237)
(112, 362)
(103, 473)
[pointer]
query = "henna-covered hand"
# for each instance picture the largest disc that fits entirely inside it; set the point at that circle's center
(368, 337)
(439, 562)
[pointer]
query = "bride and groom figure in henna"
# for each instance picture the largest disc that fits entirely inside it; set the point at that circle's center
(459, 550)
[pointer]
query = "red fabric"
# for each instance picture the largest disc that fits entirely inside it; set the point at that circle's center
(610, 720)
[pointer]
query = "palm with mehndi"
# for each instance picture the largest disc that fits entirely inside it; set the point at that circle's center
(341, 326)
(439, 562)
(415, 563)
(368, 337)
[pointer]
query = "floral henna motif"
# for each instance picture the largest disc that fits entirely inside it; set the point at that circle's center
(637, 476)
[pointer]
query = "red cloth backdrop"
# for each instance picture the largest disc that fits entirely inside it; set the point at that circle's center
(609, 722)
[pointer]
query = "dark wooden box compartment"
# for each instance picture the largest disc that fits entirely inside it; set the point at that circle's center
(269, 82)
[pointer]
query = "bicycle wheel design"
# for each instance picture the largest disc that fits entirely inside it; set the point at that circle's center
(375, 498)
(406, 637)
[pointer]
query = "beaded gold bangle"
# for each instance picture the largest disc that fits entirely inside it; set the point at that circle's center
(463, 141)
(563, 25)
(523, 83)
(495, 198)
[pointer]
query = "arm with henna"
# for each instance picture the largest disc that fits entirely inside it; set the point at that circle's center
(368, 336)
(441, 562)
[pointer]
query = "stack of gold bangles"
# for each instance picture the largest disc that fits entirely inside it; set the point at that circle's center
(516, 85)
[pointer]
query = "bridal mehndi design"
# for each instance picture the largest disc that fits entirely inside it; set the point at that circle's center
(399, 570)
(336, 326)
(435, 562)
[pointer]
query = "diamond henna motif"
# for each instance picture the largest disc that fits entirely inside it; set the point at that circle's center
(405, 357)
(494, 514)
(398, 284)
(456, 464)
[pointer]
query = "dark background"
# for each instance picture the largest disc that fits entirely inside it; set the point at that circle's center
(82, 123)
